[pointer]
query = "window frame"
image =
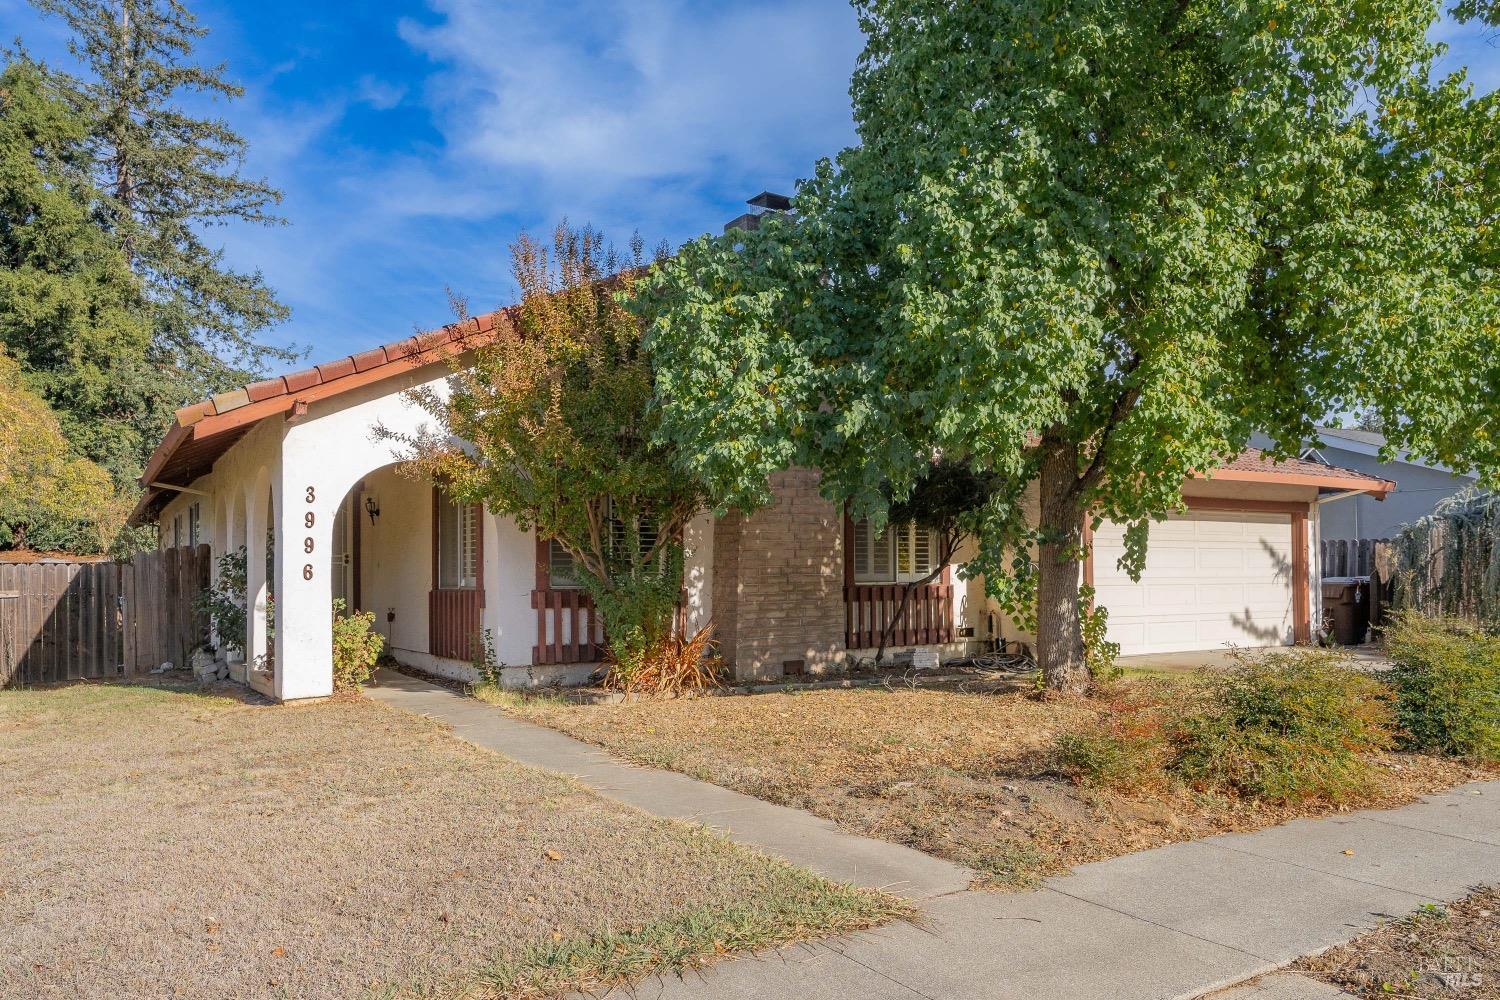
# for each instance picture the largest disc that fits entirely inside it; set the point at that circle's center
(891, 540)
(469, 578)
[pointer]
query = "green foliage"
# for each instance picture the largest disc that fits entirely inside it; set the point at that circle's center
(223, 601)
(1099, 654)
(1098, 245)
(169, 176)
(71, 312)
(1282, 726)
(487, 666)
(559, 409)
(49, 499)
(1448, 563)
(1447, 683)
(356, 647)
(1287, 726)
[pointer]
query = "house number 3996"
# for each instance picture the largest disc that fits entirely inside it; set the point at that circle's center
(308, 520)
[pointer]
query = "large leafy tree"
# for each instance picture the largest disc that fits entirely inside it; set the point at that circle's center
(170, 176)
(1095, 245)
(551, 424)
(71, 312)
(49, 497)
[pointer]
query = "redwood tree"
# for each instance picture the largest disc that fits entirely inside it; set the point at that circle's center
(1096, 245)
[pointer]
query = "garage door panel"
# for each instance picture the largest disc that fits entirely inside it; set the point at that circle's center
(1222, 559)
(1210, 578)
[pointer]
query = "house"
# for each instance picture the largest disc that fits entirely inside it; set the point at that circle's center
(290, 469)
(1419, 485)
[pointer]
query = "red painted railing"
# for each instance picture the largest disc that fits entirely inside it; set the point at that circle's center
(568, 629)
(870, 607)
(453, 619)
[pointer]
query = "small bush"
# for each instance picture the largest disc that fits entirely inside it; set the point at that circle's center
(1288, 726)
(1447, 683)
(1124, 752)
(356, 647)
(671, 666)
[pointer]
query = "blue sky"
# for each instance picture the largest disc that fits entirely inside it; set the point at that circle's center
(414, 140)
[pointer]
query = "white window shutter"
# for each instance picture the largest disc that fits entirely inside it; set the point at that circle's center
(923, 551)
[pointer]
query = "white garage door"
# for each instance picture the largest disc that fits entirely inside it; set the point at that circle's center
(1211, 578)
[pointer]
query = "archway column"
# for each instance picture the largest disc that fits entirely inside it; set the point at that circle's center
(257, 520)
(307, 496)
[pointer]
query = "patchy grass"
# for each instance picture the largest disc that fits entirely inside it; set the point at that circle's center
(973, 776)
(1438, 951)
(159, 842)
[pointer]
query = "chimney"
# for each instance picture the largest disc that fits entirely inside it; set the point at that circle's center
(763, 204)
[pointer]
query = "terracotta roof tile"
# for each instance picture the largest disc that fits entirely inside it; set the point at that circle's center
(232, 400)
(331, 370)
(365, 360)
(401, 349)
(265, 390)
(305, 379)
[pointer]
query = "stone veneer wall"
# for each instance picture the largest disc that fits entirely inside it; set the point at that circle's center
(779, 582)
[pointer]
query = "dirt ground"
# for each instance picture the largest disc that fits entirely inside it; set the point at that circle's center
(163, 843)
(1439, 951)
(965, 774)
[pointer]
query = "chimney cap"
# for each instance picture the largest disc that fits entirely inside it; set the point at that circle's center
(771, 202)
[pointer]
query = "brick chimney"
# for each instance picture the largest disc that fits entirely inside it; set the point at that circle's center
(762, 204)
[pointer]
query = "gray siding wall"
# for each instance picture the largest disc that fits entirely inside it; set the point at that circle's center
(1417, 491)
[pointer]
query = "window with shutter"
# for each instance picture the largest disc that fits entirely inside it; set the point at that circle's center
(901, 553)
(561, 574)
(458, 545)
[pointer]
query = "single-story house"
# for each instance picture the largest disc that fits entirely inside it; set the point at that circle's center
(290, 469)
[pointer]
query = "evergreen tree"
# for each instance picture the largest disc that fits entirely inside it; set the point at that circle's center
(70, 310)
(169, 176)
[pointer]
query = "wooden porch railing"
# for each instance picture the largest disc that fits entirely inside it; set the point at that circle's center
(453, 619)
(568, 629)
(870, 607)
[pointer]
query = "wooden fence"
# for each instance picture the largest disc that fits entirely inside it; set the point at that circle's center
(62, 621)
(1343, 557)
(870, 607)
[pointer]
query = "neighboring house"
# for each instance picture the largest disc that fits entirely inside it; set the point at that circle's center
(1419, 485)
(793, 588)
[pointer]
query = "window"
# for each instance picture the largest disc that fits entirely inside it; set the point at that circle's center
(195, 525)
(176, 530)
(899, 554)
(458, 545)
(560, 573)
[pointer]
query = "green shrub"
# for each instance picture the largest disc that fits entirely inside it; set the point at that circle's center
(1447, 683)
(356, 647)
(1288, 726)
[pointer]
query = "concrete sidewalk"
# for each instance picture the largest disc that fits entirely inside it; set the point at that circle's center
(1178, 921)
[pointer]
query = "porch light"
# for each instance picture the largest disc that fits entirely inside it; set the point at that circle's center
(372, 507)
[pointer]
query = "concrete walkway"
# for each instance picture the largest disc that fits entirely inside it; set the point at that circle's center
(1178, 921)
(798, 836)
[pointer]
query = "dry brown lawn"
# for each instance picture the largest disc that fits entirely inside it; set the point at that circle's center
(163, 843)
(1439, 951)
(968, 775)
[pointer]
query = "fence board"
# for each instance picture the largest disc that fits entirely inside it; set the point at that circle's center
(64, 621)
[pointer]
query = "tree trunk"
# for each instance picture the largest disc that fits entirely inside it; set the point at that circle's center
(1059, 632)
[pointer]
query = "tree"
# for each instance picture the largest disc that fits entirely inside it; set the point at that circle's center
(49, 498)
(169, 175)
(558, 427)
(945, 500)
(1095, 246)
(71, 312)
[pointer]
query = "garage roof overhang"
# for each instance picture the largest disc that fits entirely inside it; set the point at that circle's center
(1252, 466)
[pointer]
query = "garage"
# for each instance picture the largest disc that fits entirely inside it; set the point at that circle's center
(1212, 577)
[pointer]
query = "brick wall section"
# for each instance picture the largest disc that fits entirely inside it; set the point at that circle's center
(779, 582)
